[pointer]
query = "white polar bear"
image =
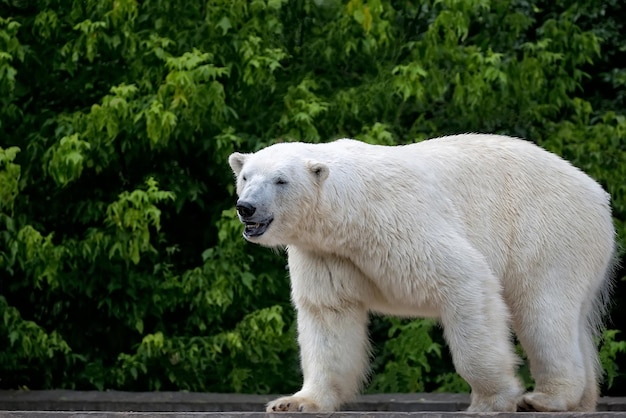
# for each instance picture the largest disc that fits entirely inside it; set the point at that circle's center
(483, 232)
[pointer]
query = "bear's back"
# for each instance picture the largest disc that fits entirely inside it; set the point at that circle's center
(500, 193)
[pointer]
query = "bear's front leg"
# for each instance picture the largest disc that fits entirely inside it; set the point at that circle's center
(333, 351)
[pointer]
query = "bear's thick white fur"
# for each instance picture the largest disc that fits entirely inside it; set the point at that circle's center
(484, 232)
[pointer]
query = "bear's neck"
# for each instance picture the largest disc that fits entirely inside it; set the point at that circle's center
(343, 232)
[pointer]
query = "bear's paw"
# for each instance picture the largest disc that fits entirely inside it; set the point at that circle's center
(541, 402)
(292, 404)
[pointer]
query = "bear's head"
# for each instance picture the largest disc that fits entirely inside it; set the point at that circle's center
(278, 189)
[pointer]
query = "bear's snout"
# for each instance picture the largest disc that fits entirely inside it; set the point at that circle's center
(245, 209)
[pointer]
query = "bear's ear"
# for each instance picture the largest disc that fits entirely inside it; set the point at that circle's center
(236, 161)
(319, 170)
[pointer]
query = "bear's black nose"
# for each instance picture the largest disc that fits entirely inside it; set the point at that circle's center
(245, 209)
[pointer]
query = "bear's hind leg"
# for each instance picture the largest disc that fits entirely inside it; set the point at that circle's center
(590, 394)
(476, 326)
(592, 362)
(551, 339)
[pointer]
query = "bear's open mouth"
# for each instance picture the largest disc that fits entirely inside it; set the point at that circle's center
(255, 229)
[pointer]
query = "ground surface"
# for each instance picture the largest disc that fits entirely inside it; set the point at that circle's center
(77, 404)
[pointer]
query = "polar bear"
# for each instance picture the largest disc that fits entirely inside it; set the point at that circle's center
(486, 233)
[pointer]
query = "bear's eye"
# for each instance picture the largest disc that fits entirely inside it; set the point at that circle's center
(244, 178)
(281, 181)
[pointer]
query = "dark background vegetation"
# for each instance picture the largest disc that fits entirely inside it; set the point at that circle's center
(121, 260)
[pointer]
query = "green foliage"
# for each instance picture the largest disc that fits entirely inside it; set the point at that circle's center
(406, 357)
(11, 52)
(9, 178)
(29, 346)
(239, 358)
(131, 216)
(406, 361)
(121, 259)
(608, 354)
